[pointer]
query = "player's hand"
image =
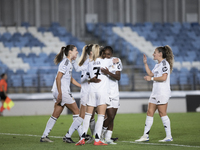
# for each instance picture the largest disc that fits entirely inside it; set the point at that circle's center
(59, 98)
(115, 60)
(105, 70)
(144, 58)
(95, 80)
(147, 78)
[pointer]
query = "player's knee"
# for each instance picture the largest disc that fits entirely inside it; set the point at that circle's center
(161, 114)
(112, 117)
(56, 115)
(82, 116)
(150, 113)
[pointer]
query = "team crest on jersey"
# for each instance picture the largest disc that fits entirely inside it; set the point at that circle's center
(164, 69)
(64, 67)
(113, 66)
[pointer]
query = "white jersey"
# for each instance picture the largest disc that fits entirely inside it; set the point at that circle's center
(94, 69)
(114, 87)
(65, 67)
(84, 76)
(161, 88)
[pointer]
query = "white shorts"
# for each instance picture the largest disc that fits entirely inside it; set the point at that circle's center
(97, 98)
(66, 98)
(114, 103)
(159, 100)
(84, 98)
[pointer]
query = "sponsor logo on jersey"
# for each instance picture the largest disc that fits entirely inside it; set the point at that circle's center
(164, 69)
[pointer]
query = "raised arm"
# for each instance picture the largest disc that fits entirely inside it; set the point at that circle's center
(146, 66)
(77, 67)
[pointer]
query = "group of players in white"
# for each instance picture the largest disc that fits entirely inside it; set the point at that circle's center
(100, 73)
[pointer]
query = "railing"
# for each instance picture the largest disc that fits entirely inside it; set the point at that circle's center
(132, 79)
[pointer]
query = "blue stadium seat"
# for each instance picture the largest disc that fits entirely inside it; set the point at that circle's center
(124, 81)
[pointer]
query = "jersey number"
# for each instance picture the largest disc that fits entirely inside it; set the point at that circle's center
(97, 73)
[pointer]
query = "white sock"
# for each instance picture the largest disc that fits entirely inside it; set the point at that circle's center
(104, 129)
(92, 126)
(148, 124)
(74, 126)
(108, 135)
(80, 127)
(166, 123)
(86, 123)
(49, 126)
(98, 127)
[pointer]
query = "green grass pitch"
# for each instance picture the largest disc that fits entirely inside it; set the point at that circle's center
(23, 133)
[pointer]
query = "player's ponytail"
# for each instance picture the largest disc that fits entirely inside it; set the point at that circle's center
(64, 50)
(95, 51)
(83, 56)
(86, 51)
(167, 54)
(59, 56)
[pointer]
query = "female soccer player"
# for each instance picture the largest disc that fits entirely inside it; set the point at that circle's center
(98, 95)
(161, 92)
(3, 90)
(62, 95)
(82, 66)
(114, 73)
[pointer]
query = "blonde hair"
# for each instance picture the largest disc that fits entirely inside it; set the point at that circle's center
(86, 51)
(95, 51)
(168, 54)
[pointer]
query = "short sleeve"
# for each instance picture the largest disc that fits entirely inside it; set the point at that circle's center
(119, 66)
(165, 67)
(63, 67)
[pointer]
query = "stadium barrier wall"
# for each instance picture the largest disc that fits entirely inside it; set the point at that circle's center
(130, 102)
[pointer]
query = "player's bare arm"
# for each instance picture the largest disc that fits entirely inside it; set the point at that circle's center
(146, 66)
(116, 76)
(58, 83)
(73, 81)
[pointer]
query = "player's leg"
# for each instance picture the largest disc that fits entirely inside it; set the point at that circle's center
(3, 98)
(52, 120)
(111, 112)
(101, 109)
(82, 111)
(86, 121)
(75, 124)
(162, 109)
(92, 122)
(148, 123)
(1, 108)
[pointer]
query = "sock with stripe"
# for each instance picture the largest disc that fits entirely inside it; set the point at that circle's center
(104, 129)
(74, 126)
(108, 135)
(148, 124)
(166, 124)
(52, 120)
(98, 127)
(92, 126)
(80, 127)
(86, 123)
